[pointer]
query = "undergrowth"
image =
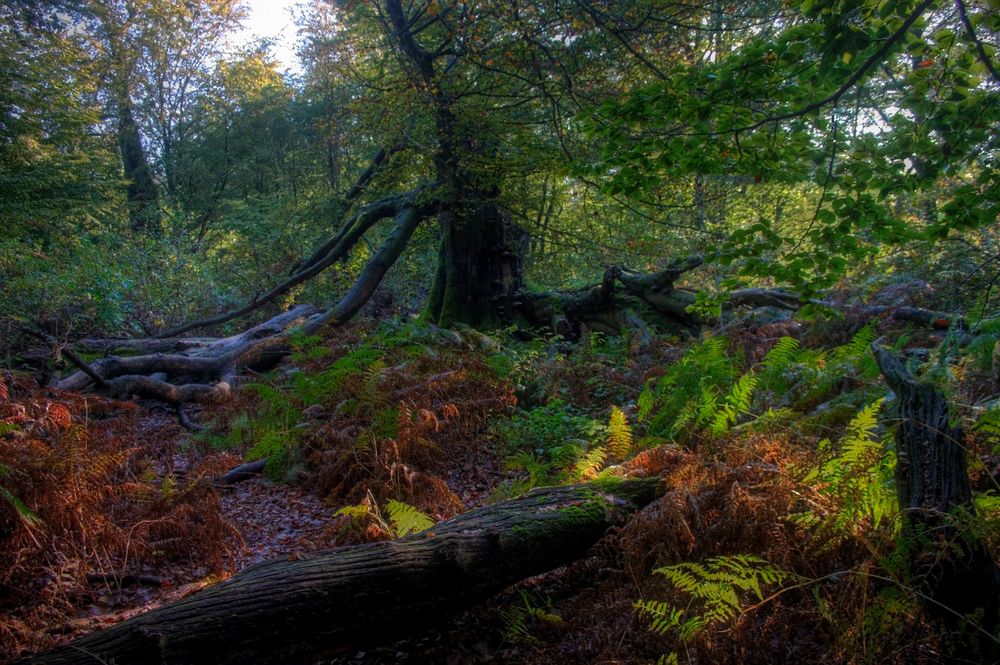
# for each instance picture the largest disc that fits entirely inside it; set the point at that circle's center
(79, 498)
(369, 416)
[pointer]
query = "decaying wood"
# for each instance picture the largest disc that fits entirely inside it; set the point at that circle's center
(948, 564)
(930, 318)
(203, 375)
(293, 611)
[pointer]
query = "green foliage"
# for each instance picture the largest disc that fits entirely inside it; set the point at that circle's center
(274, 434)
(983, 348)
(551, 444)
(406, 519)
(686, 398)
(858, 475)
(327, 386)
(619, 434)
(307, 347)
(716, 590)
(989, 423)
(823, 374)
(518, 618)
(770, 109)
(773, 373)
(737, 403)
(26, 514)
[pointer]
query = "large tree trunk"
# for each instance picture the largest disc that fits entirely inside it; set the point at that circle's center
(479, 261)
(291, 611)
(948, 563)
(479, 273)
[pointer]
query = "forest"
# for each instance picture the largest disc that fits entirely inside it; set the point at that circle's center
(500, 331)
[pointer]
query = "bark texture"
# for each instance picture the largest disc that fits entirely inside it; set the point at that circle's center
(291, 611)
(948, 564)
(202, 375)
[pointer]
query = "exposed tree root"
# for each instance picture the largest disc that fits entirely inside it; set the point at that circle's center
(202, 375)
(201, 370)
(205, 372)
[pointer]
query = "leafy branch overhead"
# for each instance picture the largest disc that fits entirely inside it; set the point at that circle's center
(867, 107)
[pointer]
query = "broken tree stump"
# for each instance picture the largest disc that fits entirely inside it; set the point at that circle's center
(948, 564)
(290, 611)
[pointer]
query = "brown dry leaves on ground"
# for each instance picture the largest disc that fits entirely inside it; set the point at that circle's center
(84, 507)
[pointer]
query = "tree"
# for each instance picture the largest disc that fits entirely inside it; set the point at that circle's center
(469, 91)
(869, 104)
(154, 53)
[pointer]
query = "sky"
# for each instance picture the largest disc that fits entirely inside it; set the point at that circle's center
(273, 19)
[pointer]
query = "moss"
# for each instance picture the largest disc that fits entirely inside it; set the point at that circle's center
(607, 483)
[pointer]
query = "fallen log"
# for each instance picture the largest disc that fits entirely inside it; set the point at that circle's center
(295, 610)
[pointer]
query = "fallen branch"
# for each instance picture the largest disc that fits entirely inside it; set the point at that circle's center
(244, 472)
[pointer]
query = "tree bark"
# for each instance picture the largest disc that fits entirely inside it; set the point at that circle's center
(948, 563)
(334, 249)
(293, 611)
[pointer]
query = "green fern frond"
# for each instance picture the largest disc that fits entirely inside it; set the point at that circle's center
(268, 393)
(781, 355)
(860, 344)
(646, 402)
(619, 434)
(516, 617)
(590, 464)
(736, 404)
(715, 589)
(26, 514)
(406, 519)
(989, 423)
(858, 474)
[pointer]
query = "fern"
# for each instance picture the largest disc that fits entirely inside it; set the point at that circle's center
(307, 347)
(273, 434)
(736, 404)
(859, 346)
(824, 373)
(26, 514)
(859, 476)
(781, 355)
(688, 398)
(619, 434)
(989, 424)
(984, 349)
(406, 519)
(516, 618)
(715, 590)
(370, 397)
(776, 364)
(590, 464)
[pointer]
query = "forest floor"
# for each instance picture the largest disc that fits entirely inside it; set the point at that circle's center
(113, 509)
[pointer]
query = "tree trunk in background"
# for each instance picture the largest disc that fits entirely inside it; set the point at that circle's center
(142, 196)
(294, 610)
(948, 563)
(479, 271)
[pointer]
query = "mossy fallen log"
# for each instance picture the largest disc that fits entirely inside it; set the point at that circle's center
(293, 611)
